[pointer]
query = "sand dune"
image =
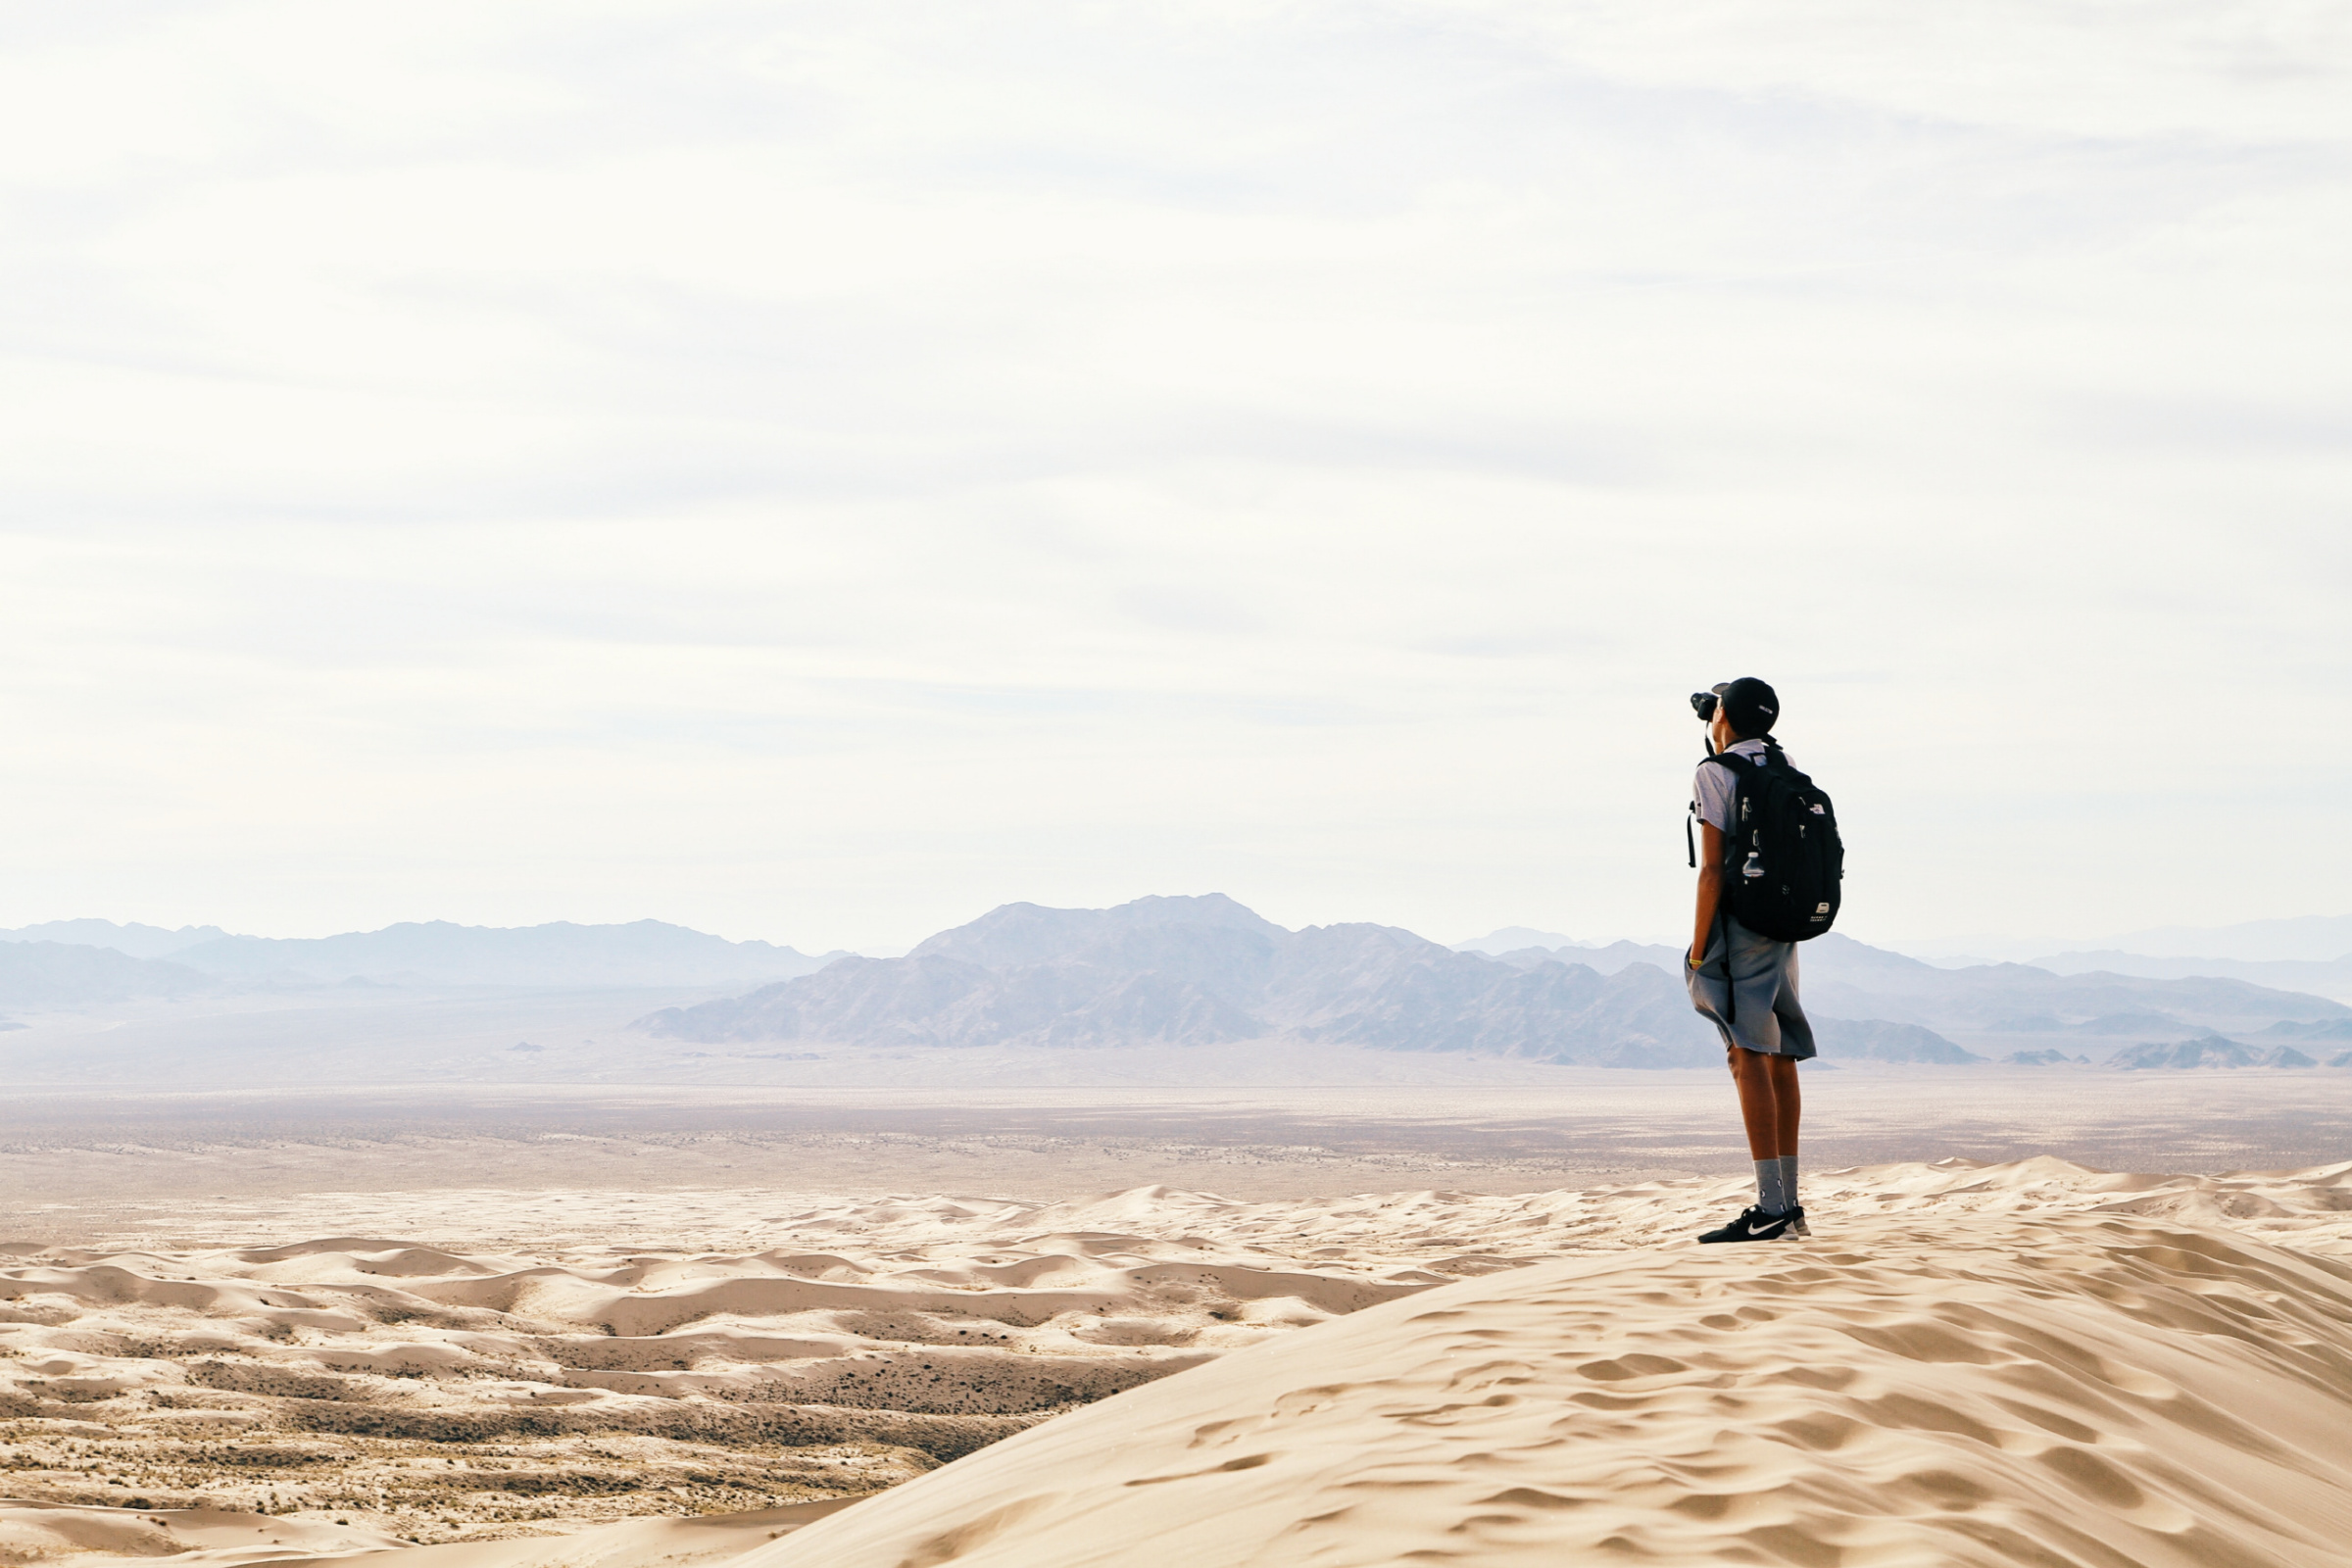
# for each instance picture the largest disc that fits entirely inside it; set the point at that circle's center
(434, 1395)
(1966, 1359)
(2069, 1389)
(199, 1538)
(32, 1531)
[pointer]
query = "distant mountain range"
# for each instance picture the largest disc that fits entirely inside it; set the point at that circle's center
(1188, 971)
(2304, 939)
(138, 941)
(1194, 971)
(436, 951)
(1878, 1040)
(1841, 977)
(49, 973)
(1515, 939)
(57, 974)
(2311, 954)
(2324, 939)
(2213, 1051)
(1605, 959)
(2329, 978)
(1183, 971)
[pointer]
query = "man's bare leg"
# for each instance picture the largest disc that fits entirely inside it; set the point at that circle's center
(1759, 1102)
(1787, 1103)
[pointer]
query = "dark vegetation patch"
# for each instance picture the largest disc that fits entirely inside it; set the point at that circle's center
(797, 1426)
(247, 1377)
(253, 1456)
(962, 1385)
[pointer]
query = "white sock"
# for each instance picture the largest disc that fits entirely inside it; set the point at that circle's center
(1770, 1196)
(1788, 1179)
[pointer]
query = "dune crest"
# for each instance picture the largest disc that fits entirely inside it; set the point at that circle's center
(2075, 1390)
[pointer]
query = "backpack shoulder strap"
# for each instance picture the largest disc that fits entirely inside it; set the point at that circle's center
(1730, 766)
(1773, 757)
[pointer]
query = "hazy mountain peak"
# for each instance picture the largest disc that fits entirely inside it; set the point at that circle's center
(1015, 934)
(1846, 952)
(559, 953)
(1514, 939)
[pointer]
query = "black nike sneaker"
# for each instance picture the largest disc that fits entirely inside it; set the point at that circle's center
(1796, 1222)
(1754, 1226)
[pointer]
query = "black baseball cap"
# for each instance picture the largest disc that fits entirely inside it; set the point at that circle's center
(1749, 704)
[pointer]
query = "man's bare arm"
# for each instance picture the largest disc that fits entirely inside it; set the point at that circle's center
(1710, 888)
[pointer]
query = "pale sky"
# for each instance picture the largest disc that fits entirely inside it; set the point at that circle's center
(817, 472)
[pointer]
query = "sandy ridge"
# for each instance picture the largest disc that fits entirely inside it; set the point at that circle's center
(2071, 1389)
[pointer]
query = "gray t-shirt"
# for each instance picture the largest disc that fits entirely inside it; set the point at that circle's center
(1714, 790)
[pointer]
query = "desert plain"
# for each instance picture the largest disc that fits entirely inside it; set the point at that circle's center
(2055, 1316)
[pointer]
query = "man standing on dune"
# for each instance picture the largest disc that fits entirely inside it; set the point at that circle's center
(1742, 981)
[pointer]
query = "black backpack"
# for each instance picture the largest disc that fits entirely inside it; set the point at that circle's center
(1782, 860)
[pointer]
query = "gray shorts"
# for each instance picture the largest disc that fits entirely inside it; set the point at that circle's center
(1747, 988)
